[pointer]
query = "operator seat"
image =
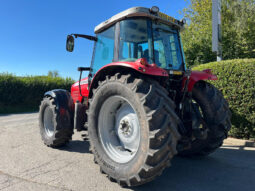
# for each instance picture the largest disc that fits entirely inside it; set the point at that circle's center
(140, 52)
(156, 56)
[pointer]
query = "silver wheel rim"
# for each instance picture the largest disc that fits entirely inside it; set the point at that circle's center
(48, 122)
(119, 129)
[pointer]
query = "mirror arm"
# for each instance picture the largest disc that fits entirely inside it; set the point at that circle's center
(85, 36)
(80, 69)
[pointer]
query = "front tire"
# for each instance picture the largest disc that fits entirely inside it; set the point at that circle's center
(155, 139)
(216, 116)
(55, 126)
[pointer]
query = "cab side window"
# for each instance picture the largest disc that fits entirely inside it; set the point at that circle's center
(104, 50)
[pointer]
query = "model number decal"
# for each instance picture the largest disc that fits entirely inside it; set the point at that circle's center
(166, 17)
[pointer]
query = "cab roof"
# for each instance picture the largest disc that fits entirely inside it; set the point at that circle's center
(139, 12)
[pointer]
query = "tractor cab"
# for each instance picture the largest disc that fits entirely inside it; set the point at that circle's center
(139, 33)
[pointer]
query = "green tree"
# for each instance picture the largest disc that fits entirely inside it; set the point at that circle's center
(53, 74)
(238, 25)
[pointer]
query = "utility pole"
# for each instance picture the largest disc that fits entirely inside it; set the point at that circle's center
(216, 29)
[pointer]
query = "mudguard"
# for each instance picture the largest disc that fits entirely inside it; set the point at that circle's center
(63, 101)
(141, 65)
(199, 75)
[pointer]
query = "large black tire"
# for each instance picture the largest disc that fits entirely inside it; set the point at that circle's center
(158, 131)
(58, 121)
(216, 116)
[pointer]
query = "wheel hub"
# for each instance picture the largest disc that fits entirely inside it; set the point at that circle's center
(125, 128)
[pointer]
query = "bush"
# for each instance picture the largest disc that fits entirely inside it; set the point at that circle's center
(21, 94)
(237, 83)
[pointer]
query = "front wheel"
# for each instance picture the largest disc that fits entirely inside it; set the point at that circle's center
(55, 127)
(132, 129)
(215, 117)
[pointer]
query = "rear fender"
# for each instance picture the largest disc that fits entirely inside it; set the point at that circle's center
(198, 76)
(140, 66)
(63, 101)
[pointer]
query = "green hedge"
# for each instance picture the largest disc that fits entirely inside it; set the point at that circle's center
(237, 83)
(23, 94)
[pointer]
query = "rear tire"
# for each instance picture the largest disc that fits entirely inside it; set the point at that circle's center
(216, 116)
(157, 128)
(55, 128)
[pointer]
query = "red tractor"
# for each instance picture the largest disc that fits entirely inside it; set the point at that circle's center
(139, 103)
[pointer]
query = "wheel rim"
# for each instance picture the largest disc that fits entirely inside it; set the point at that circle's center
(119, 129)
(48, 122)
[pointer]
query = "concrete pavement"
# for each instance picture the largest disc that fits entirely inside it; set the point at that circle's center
(27, 164)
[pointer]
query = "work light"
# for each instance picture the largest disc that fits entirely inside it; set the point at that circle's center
(154, 9)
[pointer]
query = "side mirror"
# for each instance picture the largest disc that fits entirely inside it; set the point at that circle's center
(70, 43)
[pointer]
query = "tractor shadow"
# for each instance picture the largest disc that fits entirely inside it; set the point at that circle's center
(229, 168)
(78, 146)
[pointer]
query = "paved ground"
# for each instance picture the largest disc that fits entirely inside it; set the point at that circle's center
(26, 164)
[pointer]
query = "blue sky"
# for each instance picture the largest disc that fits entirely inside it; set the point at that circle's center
(33, 32)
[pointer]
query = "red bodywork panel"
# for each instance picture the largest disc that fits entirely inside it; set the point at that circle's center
(197, 76)
(142, 66)
(75, 92)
